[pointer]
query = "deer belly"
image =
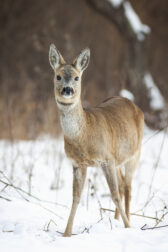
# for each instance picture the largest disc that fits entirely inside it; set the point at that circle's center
(89, 155)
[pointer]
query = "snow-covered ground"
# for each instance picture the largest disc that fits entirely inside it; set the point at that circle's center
(35, 200)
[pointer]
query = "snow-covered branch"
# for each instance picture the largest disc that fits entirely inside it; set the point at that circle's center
(139, 28)
(156, 98)
(131, 17)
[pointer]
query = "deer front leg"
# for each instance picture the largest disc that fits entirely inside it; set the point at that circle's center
(79, 175)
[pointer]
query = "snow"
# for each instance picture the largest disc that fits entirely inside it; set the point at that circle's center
(30, 223)
(127, 94)
(137, 26)
(116, 3)
(135, 22)
(157, 100)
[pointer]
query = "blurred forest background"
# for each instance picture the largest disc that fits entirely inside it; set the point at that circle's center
(119, 59)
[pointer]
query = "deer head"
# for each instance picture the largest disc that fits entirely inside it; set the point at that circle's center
(67, 79)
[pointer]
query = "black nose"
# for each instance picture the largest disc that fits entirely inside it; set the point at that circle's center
(67, 91)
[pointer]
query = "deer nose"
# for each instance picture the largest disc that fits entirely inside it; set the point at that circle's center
(67, 91)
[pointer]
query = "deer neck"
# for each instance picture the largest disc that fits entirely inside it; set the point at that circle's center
(72, 119)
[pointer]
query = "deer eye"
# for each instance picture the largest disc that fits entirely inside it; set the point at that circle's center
(58, 77)
(76, 78)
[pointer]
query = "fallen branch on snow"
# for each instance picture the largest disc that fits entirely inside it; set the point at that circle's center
(9, 183)
(139, 215)
(151, 228)
(1, 197)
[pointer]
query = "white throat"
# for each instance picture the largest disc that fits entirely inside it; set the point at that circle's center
(72, 120)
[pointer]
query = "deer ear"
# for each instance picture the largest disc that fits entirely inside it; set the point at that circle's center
(82, 61)
(55, 58)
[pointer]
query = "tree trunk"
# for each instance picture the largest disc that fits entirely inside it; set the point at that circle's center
(135, 59)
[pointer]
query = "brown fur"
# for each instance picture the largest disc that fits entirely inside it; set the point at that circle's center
(107, 128)
(107, 136)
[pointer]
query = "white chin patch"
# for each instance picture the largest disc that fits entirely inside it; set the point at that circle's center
(67, 96)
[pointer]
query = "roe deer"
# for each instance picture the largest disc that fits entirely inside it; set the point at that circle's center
(107, 136)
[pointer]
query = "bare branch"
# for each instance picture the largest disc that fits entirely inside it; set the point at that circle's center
(161, 219)
(139, 215)
(46, 229)
(1, 197)
(30, 195)
(146, 228)
(88, 229)
(157, 162)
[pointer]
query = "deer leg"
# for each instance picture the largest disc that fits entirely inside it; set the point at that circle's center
(112, 180)
(121, 189)
(117, 215)
(129, 171)
(79, 175)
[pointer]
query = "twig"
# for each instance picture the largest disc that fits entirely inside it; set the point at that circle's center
(58, 171)
(139, 215)
(7, 231)
(48, 225)
(19, 189)
(110, 223)
(88, 229)
(151, 228)
(85, 229)
(1, 197)
(11, 185)
(3, 189)
(95, 193)
(47, 209)
(30, 195)
(160, 220)
(157, 132)
(63, 233)
(30, 178)
(157, 162)
(147, 202)
(88, 191)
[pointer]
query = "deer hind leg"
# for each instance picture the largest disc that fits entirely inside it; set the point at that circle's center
(130, 167)
(112, 180)
(121, 189)
(79, 175)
